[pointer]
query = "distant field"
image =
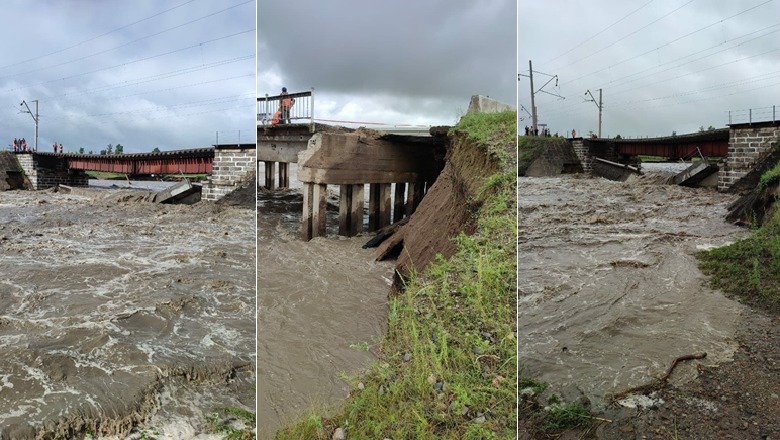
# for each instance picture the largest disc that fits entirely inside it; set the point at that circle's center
(120, 176)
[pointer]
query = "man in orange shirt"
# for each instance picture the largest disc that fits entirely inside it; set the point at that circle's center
(286, 104)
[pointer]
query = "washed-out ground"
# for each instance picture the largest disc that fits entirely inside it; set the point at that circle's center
(122, 318)
(611, 294)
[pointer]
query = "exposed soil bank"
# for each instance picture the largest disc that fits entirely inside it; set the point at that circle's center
(118, 313)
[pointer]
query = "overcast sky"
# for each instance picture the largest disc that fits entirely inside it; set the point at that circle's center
(402, 62)
(663, 65)
(102, 76)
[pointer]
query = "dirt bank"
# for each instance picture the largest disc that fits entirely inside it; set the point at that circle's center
(449, 205)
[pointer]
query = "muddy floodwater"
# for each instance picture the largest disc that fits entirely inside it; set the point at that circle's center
(322, 308)
(609, 289)
(135, 313)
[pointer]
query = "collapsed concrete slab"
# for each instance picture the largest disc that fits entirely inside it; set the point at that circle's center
(182, 192)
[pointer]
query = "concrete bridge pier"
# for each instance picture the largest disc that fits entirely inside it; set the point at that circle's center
(353, 161)
(351, 209)
(277, 177)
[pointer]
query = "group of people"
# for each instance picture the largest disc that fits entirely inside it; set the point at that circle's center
(56, 147)
(545, 132)
(282, 115)
(20, 146)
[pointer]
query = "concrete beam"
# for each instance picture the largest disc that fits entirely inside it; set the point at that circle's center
(357, 159)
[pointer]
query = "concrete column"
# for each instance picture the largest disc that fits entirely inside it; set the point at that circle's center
(345, 209)
(319, 209)
(373, 206)
(385, 204)
(306, 226)
(398, 202)
(356, 210)
(270, 170)
(284, 177)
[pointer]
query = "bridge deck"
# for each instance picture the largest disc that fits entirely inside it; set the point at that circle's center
(713, 143)
(194, 161)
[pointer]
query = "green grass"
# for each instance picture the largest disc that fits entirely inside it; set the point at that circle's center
(768, 177)
(223, 423)
(457, 320)
(494, 131)
(106, 175)
(748, 269)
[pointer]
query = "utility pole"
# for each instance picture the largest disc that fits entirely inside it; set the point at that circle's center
(599, 105)
(533, 104)
(534, 115)
(35, 118)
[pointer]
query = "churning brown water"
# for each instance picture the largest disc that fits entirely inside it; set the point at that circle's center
(322, 307)
(609, 289)
(125, 311)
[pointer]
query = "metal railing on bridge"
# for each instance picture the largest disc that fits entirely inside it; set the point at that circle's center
(271, 111)
(751, 115)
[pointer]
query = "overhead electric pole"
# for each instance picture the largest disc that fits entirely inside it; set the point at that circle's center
(35, 118)
(534, 114)
(533, 104)
(597, 105)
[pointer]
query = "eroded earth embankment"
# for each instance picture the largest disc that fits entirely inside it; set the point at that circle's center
(116, 312)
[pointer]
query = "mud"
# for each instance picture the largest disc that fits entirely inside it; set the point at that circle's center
(609, 289)
(322, 310)
(456, 193)
(117, 313)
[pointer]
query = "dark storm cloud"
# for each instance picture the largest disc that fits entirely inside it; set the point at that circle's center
(389, 55)
(144, 74)
(668, 65)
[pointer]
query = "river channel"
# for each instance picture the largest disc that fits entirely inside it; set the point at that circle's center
(322, 310)
(609, 289)
(113, 308)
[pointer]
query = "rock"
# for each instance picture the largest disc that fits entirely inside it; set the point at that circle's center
(361, 386)
(479, 420)
(476, 350)
(407, 357)
(438, 386)
(339, 434)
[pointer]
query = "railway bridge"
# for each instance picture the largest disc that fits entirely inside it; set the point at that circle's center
(225, 165)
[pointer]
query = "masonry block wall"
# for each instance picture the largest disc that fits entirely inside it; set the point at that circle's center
(233, 166)
(557, 158)
(748, 144)
(583, 153)
(50, 170)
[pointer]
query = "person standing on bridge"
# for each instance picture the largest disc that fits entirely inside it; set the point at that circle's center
(285, 105)
(54, 147)
(16, 145)
(60, 148)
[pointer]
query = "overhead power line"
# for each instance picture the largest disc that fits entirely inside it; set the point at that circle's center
(128, 43)
(630, 34)
(133, 61)
(95, 37)
(597, 33)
